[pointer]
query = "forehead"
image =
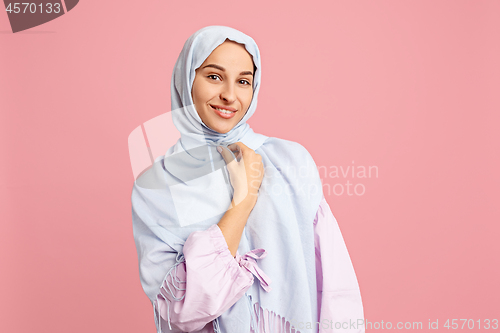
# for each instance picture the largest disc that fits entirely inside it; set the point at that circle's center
(231, 55)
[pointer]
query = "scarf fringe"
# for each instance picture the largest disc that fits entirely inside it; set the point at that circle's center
(253, 321)
(260, 318)
(263, 318)
(216, 325)
(173, 283)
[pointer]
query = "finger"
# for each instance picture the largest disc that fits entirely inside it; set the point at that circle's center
(226, 154)
(234, 147)
(237, 150)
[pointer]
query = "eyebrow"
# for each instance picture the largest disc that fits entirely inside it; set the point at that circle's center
(223, 69)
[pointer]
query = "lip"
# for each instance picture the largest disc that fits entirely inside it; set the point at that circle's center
(223, 115)
(223, 107)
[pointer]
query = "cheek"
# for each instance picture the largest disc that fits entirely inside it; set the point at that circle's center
(248, 100)
(203, 94)
(197, 93)
(193, 93)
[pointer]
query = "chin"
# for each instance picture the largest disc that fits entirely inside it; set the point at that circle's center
(222, 128)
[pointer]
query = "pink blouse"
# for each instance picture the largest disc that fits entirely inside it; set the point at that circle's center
(209, 281)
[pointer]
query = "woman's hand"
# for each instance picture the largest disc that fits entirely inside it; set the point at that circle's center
(246, 172)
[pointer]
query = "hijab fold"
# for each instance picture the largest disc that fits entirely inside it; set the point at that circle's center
(187, 189)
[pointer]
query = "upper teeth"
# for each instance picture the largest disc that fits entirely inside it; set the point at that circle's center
(224, 111)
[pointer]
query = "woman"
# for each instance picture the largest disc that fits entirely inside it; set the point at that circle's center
(211, 244)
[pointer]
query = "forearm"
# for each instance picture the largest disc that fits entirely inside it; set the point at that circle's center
(234, 220)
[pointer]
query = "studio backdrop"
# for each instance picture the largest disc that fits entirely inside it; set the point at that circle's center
(397, 102)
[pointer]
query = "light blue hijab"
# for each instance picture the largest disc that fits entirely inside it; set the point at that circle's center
(188, 190)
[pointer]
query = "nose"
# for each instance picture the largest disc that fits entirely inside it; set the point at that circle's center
(228, 93)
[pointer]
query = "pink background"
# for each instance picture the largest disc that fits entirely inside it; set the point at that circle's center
(411, 87)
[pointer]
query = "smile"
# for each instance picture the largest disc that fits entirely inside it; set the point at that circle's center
(223, 113)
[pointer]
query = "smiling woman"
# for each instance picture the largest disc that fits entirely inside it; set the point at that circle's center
(209, 249)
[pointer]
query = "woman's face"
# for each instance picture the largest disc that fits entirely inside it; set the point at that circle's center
(224, 81)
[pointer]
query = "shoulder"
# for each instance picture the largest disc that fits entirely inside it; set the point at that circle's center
(287, 152)
(297, 168)
(272, 141)
(291, 159)
(150, 181)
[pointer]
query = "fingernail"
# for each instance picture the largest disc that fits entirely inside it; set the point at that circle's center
(219, 149)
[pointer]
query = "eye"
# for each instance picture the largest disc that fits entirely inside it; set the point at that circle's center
(213, 75)
(245, 82)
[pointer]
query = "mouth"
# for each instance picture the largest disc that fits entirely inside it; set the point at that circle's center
(223, 112)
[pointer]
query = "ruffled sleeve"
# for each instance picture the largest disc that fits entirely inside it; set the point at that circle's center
(339, 300)
(204, 282)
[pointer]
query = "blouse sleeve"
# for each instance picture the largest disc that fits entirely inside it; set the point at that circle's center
(203, 284)
(339, 300)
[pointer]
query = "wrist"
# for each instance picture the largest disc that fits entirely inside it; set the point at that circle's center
(244, 201)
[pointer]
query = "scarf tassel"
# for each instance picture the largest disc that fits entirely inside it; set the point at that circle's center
(253, 324)
(216, 325)
(277, 324)
(173, 283)
(248, 261)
